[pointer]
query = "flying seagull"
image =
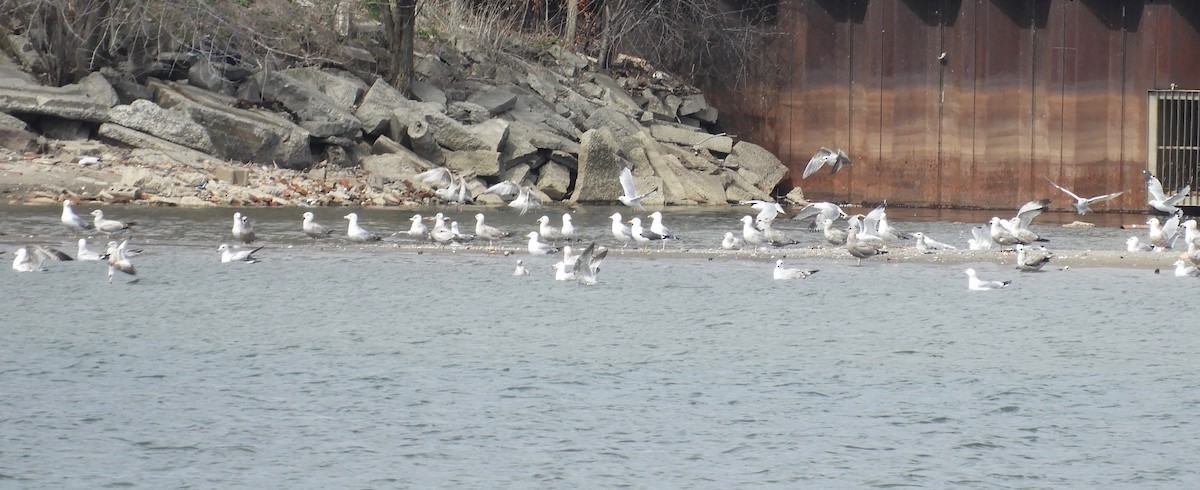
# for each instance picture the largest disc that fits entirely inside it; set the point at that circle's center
(1084, 205)
(824, 157)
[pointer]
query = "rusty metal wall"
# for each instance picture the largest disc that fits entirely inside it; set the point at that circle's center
(1026, 90)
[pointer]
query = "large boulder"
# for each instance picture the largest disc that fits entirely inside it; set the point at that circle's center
(757, 165)
(204, 74)
(173, 126)
(554, 180)
(246, 135)
(395, 167)
(59, 102)
(599, 168)
(528, 143)
(306, 102)
(496, 100)
(143, 141)
(382, 102)
(615, 96)
(98, 89)
(342, 87)
(481, 163)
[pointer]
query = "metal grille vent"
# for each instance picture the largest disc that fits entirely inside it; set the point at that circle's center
(1174, 155)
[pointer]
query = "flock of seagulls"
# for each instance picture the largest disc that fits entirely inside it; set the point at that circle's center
(862, 236)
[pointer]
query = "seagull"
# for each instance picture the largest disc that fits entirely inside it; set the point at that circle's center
(525, 201)
(876, 224)
(981, 240)
(418, 230)
(782, 274)
(546, 231)
(750, 234)
(1019, 225)
(1084, 205)
(506, 188)
(1157, 199)
(731, 242)
(358, 233)
(630, 197)
(861, 249)
(641, 235)
(460, 238)
(1163, 236)
(1193, 253)
(824, 157)
(108, 226)
(487, 232)
(520, 270)
(588, 264)
(621, 232)
(229, 255)
(1027, 262)
(775, 237)
(976, 284)
(659, 228)
(118, 260)
(437, 177)
(85, 254)
(767, 210)
(30, 258)
(822, 211)
(833, 235)
(926, 244)
(1185, 269)
(71, 220)
(442, 235)
(314, 229)
(1135, 245)
(243, 231)
(568, 228)
(538, 247)
(1190, 233)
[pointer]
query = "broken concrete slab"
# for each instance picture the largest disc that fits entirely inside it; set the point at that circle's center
(761, 162)
(342, 87)
(306, 102)
(599, 168)
(691, 138)
(138, 139)
(173, 126)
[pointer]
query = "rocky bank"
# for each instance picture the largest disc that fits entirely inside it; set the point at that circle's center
(212, 132)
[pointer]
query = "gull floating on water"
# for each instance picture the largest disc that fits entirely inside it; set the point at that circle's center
(243, 231)
(30, 258)
(1084, 205)
(108, 226)
(85, 254)
(230, 255)
(1157, 198)
(118, 260)
(587, 264)
(976, 284)
(356, 232)
(782, 274)
(314, 229)
(71, 220)
(520, 270)
(824, 157)
(630, 197)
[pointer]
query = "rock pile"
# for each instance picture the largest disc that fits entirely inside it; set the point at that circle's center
(209, 132)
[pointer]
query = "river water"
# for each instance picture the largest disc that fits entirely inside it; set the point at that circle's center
(351, 366)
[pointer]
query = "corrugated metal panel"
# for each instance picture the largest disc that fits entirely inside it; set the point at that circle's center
(1028, 89)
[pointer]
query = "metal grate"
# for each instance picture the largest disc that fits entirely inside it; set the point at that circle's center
(1174, 153)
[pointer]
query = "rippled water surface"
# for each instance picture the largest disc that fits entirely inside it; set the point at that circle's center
(335, 366)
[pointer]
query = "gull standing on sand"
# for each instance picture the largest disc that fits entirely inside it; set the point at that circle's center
(1157, 198)
(621, 232)
(782, 274)
(834, 236)
(861, 249)
(657, 226)
(1190, 233)
(1084, 205)
(750, 234)
(775, 237)
(643, 236)
(824, 157)
(630, 197)
(441, 235)
(926, 244)
(547, 232)
(820, 211)
(1135, 245)
(976, 284)
(460, 238)
(229, 255)
(1163, 236)
(418, 230)
(1031, 262)
(71, 220)
(108, 226)
(356, 232)
(118, 260)
(731, 242)
(520, 270)
(487, 232)
(981, 240)
(314, 229)
(538, 247)
(85, 254)
(767, 210)
(243, 231)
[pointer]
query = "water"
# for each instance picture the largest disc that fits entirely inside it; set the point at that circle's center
(338, 366)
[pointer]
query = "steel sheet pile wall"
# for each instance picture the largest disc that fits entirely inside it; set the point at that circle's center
(1025, 89)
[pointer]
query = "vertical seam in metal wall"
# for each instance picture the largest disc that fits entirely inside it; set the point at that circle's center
(1062, 97)
(880, 60)
(1033, 112)
(1124, 87)
(941, 113)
